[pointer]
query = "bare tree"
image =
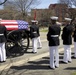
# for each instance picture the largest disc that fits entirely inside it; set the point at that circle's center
(22, 6)
(2, 2)
(74, 2)
(70, 3)
(71, 11)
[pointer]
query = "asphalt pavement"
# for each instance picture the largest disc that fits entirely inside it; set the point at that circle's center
(37, 64)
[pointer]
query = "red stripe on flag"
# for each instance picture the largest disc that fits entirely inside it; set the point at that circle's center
(8, 20)
(9, 29)
(10, 24)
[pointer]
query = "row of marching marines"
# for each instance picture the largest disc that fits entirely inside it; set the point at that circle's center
(53, 34)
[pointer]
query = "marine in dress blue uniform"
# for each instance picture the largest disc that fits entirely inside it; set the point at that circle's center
(34, 34)
(3, 39)
(39, 44)
(74, 36)
(67, 40)
(53, 42)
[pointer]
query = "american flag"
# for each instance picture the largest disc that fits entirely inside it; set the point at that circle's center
(14, 24)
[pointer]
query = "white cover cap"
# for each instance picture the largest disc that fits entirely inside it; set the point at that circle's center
(0, 18)
(34, 21)
(68, 19)
(54, 18)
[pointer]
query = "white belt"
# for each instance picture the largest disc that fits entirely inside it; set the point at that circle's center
(1, 34)
(34, 32)
(54, 35)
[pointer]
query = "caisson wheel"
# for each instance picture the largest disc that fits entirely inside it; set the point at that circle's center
(17, 43)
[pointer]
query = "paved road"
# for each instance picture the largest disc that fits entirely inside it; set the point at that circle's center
(40, 67)
(36, 64)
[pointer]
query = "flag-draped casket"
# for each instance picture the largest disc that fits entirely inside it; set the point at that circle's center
(14, 24)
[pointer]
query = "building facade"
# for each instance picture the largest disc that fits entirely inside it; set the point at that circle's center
(59, 10)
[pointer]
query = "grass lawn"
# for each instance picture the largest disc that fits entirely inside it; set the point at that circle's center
(44, 29)
(74, 73)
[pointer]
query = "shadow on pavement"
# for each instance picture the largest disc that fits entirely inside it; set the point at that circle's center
(39, 62)
(30, 67)
(43, 64)
(34, 65)
(45, 58)
(70, 68)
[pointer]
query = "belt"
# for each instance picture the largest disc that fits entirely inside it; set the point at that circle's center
(34, 32)
(54, 35)
(1, 34)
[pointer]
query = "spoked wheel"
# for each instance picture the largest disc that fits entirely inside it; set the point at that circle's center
(17, 44)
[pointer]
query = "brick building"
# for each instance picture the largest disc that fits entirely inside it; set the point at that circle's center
(40, 13)
(60, 10)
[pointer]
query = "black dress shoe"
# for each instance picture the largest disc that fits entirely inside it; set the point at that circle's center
(64, 62)
(74, 57)
(51, 68)
(69, 61)
(34, 52)
(39, 47)
(2, 61)
(56, 66)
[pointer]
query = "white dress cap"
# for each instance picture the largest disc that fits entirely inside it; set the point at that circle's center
(34, 21)
(54, 18)
(68, 19)
(0, 18)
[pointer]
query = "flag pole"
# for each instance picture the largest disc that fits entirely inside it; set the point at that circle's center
(35, 14)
